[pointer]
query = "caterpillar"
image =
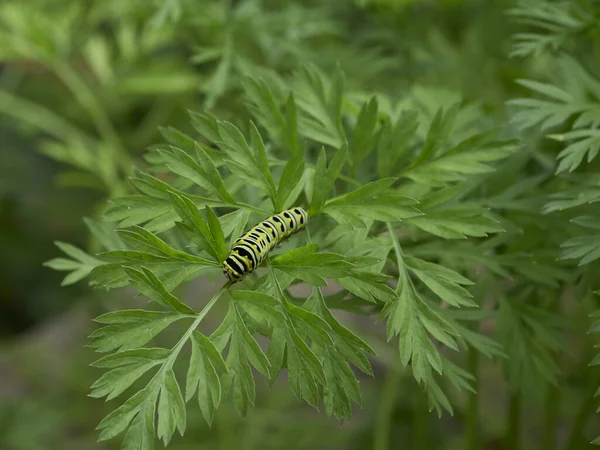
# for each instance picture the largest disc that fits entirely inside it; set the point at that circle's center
(249, 251)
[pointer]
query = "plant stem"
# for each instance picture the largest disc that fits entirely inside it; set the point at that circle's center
(513, 436)
(397, 248)
(585, 411)
(421, 421)
(389, 392)
(38, 116)
(85, 96)
(177, 348)
(472, 436)
(115, 149)
(551, 410)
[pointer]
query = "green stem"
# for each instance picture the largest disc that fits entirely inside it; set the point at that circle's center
(403, 277)
(586, 410)
(472, 436)
(551, 411)
(249, 207)
(226, 430)
(177, 348)
(421, 421)
(397, 248)
(38, 116)
(513, 435)
(389, 392)
(85, 97)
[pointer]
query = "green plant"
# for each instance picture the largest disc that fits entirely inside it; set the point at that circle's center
(429, 214)
(565, 34)
(365, 236)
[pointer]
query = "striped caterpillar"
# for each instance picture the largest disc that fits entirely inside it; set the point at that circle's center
(249, 251)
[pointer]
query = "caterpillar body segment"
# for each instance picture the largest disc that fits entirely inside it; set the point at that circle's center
(249, 251)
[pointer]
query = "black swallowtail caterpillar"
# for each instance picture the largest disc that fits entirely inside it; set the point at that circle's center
(248, 251)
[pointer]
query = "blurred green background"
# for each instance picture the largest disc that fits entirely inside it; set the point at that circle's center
(85, 87)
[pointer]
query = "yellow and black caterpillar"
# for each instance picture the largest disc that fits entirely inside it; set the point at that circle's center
(248, 251)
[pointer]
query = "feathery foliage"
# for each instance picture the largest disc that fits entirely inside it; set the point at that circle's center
(236, 175)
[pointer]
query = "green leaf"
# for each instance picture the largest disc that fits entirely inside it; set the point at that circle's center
(553, 22)
(251, 347)
(193, 223)
(583, 142)
(291, 176)
(586, 248)
(261, 307)
(132, 357)
(291, 126)
(184, 164)
(206, 124)
(305, 371)
(223, 333)
(276, 352)
(437, 135)
(249, 165)
(363, 193)
(311, 267)
(547, 89)
(265, 102)
(202, 375)
(319, 106)
(80, 266)
(346, 343)
(310, 325)
(260, 156)
(130, 329)
(395, 141)
(130, 365)
(177, 138)
(171, 272)
(457, 223)
(199, 168)
(118, 420)
(217, 235)
(364, 133)
(372, 200)
(413, 320)
(104, 232)
(325, 178)
(243, 388)
(531, 338)
(139, 209)
(208, 234)
(469, 157)
(147, 184)
(140, 435)
(171, 408)
(368, 286)
(144, 240)
(151, 287)
(336, 398)
(443, 282)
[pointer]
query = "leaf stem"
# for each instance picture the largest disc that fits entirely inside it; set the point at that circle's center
(87, 100)
(389, 392)
(37, 115)
(421, 421)
(402, 271)
(513, 435)
(583, 415)
(472, 437)
(177, 348)
(250, 207)
(397, 248)
(551, 414)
